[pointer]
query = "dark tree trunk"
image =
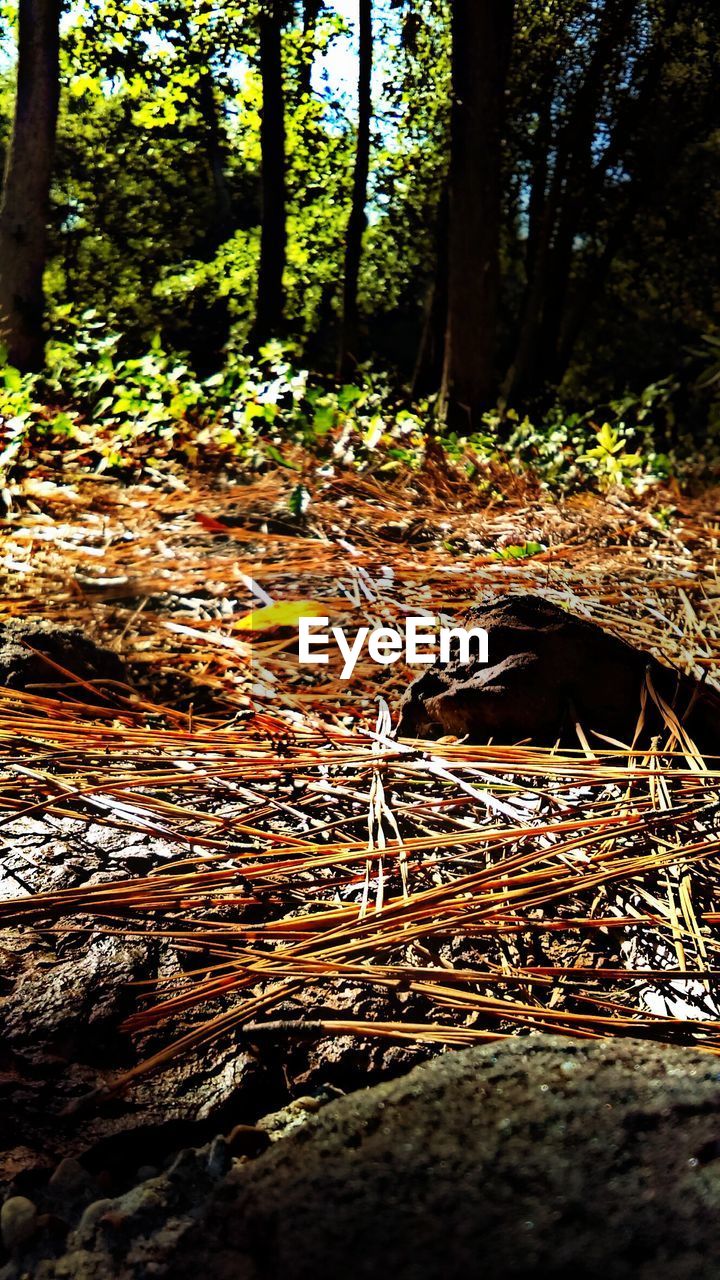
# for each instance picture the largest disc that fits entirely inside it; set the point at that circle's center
(588, 290)
(427, 374)
(653, 162)
(568, 309)
(538, 186)
(481, 44)
(552, 256)
(311, 11)
(26, 190)
(223, 222)
(269, 310)
(349, 333)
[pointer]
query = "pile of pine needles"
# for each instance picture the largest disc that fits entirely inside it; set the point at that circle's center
(488, 891)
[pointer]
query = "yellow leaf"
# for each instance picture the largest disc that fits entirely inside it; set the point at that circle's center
(285, 614)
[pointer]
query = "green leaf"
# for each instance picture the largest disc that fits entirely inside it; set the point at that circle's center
(520, 552)
(276, 456)
(299, 501)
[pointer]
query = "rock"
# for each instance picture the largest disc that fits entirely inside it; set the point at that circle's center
(185, 1164)
(70, 1182)
(532, 1157)
(90, 1218)
(26, 646)
(546, 667)
(279, 1123)
(18, 1220)
(247, 1140)
(219, 1158)
(519, 1159)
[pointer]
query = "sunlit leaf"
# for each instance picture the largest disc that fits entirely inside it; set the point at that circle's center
(286, 613)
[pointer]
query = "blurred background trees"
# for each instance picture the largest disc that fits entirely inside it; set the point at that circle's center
(495, 203)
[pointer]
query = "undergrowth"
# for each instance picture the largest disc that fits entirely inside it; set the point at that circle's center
(99, 409)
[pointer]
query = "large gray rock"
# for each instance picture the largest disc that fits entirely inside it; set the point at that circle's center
(538, 1156)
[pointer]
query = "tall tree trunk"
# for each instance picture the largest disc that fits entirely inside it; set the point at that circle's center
(311, 11)
(481, 44)
(349, 332)
(538, 185)
(560, 332)
(653, 162)
(26, 189)
(427, 374)
(223, 222)
(270, 303)
(552, 249)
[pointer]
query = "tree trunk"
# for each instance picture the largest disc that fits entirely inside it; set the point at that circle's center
(311, 11)
(427, 374)
(653, 163)
(481, 44)
(560, 333)
(538, 186)
(26, 189)
(552, 250)
(223, 222)
(349, 332)
(270, 296)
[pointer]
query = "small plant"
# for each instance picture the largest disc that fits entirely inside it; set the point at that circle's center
(520, 552)
(664, 516)
(613, 465)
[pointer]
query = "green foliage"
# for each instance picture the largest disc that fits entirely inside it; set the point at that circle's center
(520, 552)
(568, 451)
(135, 414)
(612, 463)
(142, 414)
(709, 356)
(299, 501)
(155, 233)
(18, 412)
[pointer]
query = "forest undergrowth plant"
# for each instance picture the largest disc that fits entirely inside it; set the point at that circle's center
(109, 409)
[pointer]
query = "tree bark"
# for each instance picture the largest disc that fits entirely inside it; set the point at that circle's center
(348, 354)
(311, 11)
(553, 242)
(26, 188)
(481, 45)
(269, 310)
(427, 374)
(223, 221)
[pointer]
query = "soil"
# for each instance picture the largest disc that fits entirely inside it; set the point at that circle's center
(63, 1003)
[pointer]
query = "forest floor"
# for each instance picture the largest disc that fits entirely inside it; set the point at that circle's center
(224, 884)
